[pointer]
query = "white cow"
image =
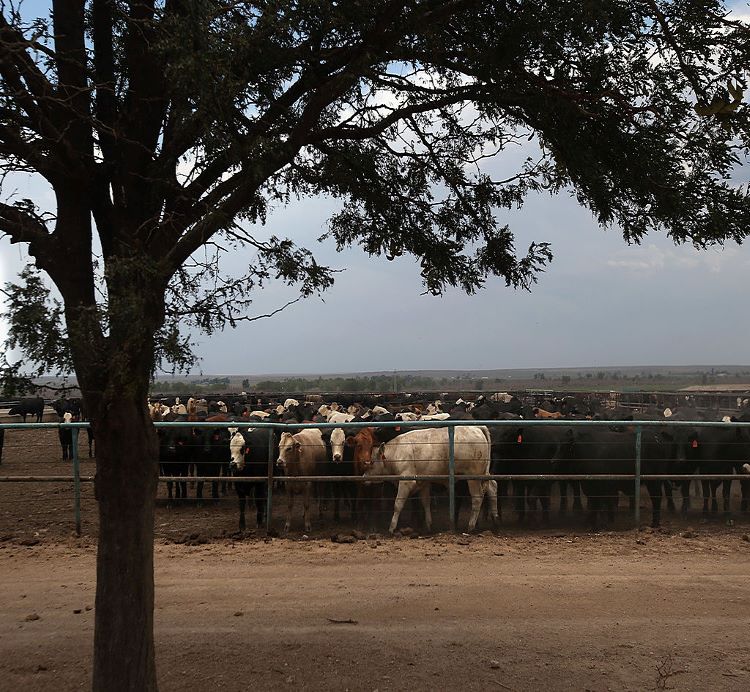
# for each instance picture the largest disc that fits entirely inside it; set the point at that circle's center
(338, 439)
(436, 416)
(406, 415)
(339, 417)
(425, 453)
(301, 454)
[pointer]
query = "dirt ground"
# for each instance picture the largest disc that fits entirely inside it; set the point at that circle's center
(554, 608)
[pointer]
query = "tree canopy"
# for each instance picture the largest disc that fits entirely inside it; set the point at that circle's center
(177, 125)
(164, 131)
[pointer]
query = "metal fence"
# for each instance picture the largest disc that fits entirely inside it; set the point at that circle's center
(636, 476)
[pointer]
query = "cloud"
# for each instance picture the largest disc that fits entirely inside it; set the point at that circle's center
(651, 258)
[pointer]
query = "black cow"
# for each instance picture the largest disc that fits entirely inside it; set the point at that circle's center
(66, 443)
(174, 458)
(600, 451)
(715, 450)
(26, 406)
(250, 458)
(65, 405)
(528, 450)
(211, 457)
(71, 407)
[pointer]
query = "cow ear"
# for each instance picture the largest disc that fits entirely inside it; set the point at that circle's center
(350, 442)
(298, 446)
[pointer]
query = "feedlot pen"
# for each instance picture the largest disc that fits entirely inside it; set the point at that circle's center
(35, 510)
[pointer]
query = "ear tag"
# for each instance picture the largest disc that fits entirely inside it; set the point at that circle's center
(519, 440)
(247, 450)
(398, 428)
(695, 444)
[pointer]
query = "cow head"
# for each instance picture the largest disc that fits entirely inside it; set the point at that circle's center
(289, 448)
(338, 439)
(565, 448)
(374, 466)
(237, 449)
(363, 443)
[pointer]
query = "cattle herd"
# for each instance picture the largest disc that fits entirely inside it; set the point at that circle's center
(372, 449)
(237, 452)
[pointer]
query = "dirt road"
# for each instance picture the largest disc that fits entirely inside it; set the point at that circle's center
(560, 612)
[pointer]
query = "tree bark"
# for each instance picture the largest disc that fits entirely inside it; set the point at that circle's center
(126, 482)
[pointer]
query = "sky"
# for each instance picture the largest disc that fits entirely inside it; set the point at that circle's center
(600, 303)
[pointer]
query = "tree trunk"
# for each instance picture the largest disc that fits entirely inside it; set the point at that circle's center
(126, 481)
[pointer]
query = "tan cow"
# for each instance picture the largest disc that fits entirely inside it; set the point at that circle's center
(301, 454)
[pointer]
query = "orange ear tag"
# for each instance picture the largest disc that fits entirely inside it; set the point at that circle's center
(519, 439)
(695, 444)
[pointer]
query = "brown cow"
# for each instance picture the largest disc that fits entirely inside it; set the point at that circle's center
(541, 413)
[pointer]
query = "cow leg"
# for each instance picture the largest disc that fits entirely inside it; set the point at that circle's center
(706, 490)
(424, 496)
(685, 490)
(654, 491)
(199, 485)
(336, 490)
(544, 493)
(594, 502)
(490, 488)
(726, 487)
(405, 488)
(563, 497)
(322, 493)
(289, 507)
(668, 492)
(241, 498)
(308, 491)
(260, 504)
(357, 502)
(745, 489)
(519, 499)
(477, 494)
(577, 502)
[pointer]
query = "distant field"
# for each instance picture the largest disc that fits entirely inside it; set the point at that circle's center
(709, 378)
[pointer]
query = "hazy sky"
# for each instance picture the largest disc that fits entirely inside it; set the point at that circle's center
(600, 303)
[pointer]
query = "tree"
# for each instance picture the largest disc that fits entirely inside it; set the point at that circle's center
(166, 130)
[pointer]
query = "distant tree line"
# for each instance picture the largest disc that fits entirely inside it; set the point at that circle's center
(374, 383)
(190, 387)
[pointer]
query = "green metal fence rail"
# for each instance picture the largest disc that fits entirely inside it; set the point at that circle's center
(637, 477)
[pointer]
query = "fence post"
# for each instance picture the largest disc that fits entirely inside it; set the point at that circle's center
(269, 482)
(76, 482)
(638, 431)
(452, 475)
